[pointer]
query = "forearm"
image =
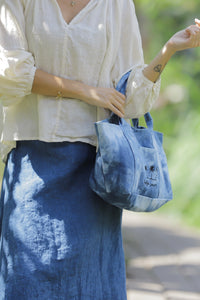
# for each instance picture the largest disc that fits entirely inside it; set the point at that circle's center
(184, 39)
(157, 65)
(50, 85)
(54, 86)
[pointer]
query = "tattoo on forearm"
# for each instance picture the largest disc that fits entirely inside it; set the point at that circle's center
(158, 68)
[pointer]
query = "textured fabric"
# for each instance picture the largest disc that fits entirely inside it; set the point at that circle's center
(59, 241)
(94, 48)
(131, 167)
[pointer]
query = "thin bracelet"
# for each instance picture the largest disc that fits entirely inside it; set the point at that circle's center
(60, 89)
(59, 95)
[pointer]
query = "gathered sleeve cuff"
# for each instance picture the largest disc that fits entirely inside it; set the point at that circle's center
(17, 73)
(17, 66)
(141, 93)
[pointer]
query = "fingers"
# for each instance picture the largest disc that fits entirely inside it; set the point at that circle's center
(193, 29)
(120, 97)
(116, 111)
(197, 21)
(116, 103)
(108, 98)
(193, 32)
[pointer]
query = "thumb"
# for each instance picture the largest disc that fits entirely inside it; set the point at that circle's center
(188, 32)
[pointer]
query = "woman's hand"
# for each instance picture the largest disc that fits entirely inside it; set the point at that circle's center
(186, 39)
(105, 97)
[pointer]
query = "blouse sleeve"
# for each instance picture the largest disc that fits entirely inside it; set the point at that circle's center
(141, 93)
(17, 69)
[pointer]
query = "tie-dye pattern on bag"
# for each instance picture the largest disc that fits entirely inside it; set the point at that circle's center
(131, 170)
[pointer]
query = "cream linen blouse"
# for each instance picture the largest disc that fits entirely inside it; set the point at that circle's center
(100, 44)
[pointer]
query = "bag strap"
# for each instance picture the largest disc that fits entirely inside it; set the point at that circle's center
(148, 120)
(114, 119)
(121, 87)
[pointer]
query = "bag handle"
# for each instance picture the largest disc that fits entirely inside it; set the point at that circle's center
(114, 119)
(148, 120)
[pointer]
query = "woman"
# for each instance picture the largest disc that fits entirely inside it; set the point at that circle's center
(59, 63)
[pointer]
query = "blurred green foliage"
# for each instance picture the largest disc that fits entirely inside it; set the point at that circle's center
(177, 113)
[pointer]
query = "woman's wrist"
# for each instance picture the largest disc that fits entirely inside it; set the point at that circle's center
(73, 89)
(157, 65)
(81, 91)
(169, 49)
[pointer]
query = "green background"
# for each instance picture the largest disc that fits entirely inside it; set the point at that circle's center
(177, 113)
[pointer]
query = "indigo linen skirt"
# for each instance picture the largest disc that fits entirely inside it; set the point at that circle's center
(59, 240)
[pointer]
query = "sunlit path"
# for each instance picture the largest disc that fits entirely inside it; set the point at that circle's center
(163, 258)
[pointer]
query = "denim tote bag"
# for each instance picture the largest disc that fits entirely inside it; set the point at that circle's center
(130, 170)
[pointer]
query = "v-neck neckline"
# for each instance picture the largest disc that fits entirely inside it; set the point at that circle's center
(81, 12)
